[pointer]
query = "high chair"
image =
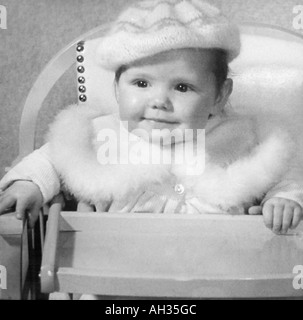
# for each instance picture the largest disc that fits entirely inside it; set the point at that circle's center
(177, 256)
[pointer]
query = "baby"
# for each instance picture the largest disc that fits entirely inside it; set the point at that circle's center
(171, 64)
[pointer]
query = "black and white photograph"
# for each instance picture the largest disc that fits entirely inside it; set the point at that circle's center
(151, 150)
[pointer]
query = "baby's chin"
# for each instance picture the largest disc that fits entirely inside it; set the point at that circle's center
(162, 133)
(166, 137)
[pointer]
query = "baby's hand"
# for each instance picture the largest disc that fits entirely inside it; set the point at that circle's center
(281, 214)
(26, 196)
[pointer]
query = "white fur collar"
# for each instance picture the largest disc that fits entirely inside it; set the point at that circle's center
(238, 168)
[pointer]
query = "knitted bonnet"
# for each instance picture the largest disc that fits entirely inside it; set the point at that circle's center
(149, 27)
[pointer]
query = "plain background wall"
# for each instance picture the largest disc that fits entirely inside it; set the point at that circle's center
(38, 29)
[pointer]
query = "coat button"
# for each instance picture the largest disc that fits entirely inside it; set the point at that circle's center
(179, 189)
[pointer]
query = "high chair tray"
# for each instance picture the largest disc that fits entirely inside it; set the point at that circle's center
(157, 255)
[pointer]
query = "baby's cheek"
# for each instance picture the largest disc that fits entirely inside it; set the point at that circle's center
(198, 120)
(130, 113)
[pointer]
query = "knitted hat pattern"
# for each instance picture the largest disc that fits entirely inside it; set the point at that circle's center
(152, 26)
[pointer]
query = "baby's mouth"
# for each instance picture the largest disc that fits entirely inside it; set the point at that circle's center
(159, 120)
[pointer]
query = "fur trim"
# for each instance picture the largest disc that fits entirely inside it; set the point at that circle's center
(73, 152)
(246, 179)
(247, 171)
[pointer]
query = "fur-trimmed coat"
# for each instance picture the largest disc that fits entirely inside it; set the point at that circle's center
(245, 162)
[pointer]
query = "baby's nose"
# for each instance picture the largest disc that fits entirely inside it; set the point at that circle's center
(161, 100)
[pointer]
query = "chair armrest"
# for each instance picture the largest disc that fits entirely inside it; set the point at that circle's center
(48, 266)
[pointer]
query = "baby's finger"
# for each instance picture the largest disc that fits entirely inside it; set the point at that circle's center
(278, 218)
(33, 215)
(255, 210)
(268, 211)
(6, 203)
(287, 218)
(21, 207)
(297, 217)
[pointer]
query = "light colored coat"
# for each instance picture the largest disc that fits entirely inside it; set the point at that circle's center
(245, 162)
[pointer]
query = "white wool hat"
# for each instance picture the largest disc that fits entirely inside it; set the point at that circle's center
(149, 27)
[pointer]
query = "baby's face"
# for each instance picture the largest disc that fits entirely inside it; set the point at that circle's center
(173, 90)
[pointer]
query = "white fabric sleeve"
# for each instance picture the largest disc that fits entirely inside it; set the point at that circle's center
(38, 168)
(291, 187)
(291, 184)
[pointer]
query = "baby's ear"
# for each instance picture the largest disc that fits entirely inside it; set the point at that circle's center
(224, 95)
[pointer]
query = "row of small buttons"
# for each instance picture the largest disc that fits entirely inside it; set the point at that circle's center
(81, 70)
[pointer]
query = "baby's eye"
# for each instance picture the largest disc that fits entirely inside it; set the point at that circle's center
(182, 87)
(141, 83)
